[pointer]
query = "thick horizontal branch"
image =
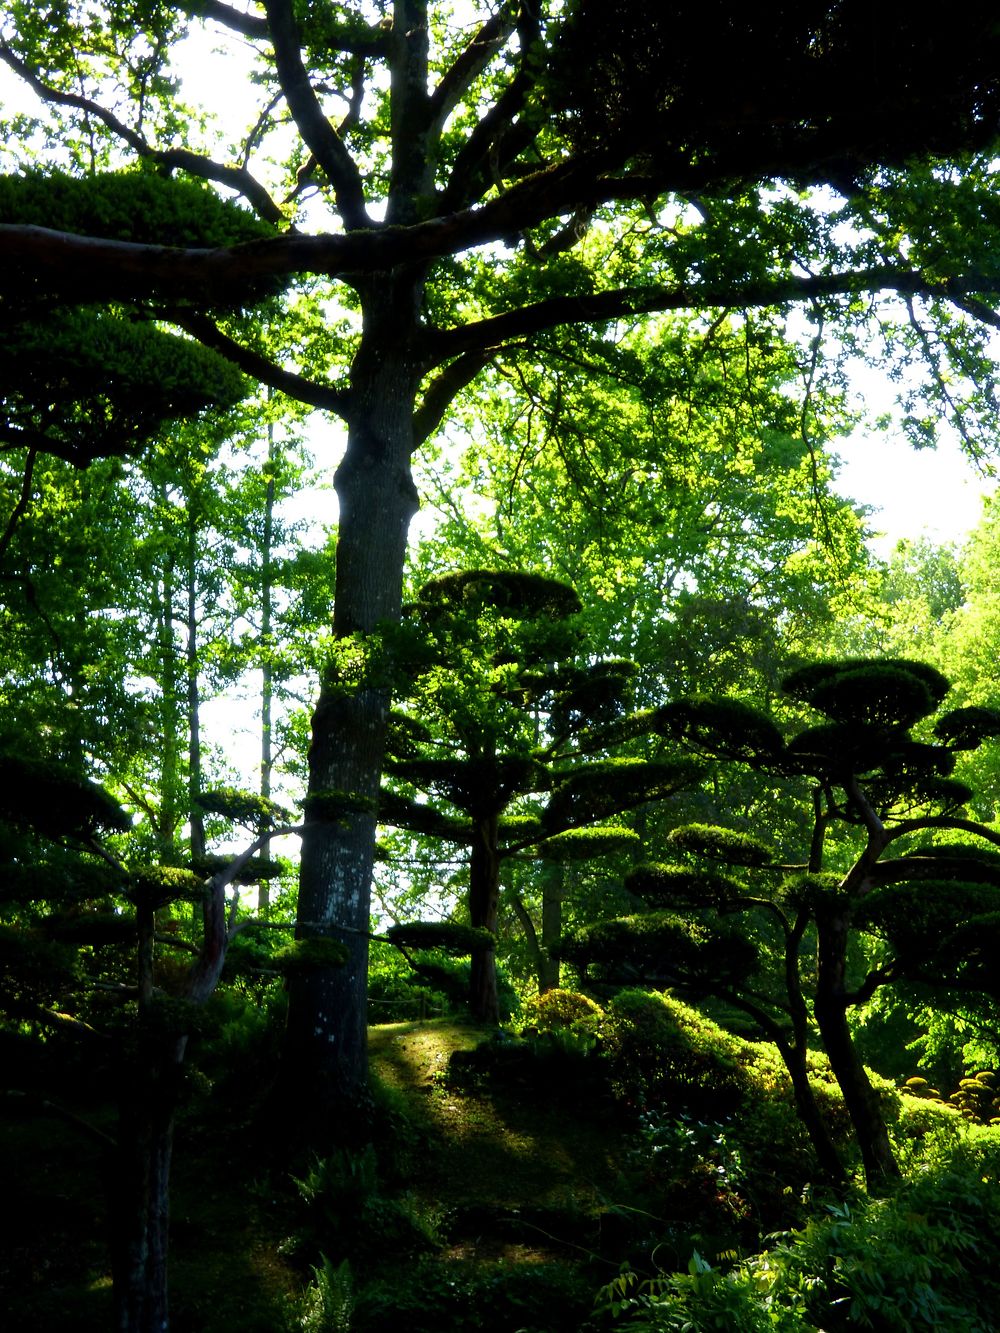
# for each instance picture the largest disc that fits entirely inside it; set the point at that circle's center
(77, 268)
(944, 822)
(369, 41)
(250, 25)
(88, 268)
(79, 452)
(909, 869)
(599, 307)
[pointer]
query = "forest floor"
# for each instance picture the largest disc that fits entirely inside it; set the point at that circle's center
(520, 1175)
(515, 1185)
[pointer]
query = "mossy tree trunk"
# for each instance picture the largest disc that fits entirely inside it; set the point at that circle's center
(484, 907)
(325, 1063)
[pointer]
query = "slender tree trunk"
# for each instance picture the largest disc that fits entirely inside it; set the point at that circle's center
(149, 1093)
(794, 1052)
(484, 906)
(140, 1168)
(267, 650)
(170, 782)
(830, 1008)
(797, 1051)
(325, 1050)
(531, 936)
(553, 893)
(794, 1056)
(195, 816)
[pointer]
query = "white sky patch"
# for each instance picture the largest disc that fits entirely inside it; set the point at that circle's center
(934, 493)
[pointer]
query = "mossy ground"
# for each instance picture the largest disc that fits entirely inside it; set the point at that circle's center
(510, 1149)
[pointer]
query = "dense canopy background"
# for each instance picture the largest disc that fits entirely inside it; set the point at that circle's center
(587, 283)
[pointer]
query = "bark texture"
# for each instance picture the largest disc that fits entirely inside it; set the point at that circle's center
(325, 1049)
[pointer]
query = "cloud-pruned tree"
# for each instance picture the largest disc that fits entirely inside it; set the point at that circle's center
(505, 740)
(776, 939)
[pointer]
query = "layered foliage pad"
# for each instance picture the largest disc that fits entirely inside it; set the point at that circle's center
(934, 909)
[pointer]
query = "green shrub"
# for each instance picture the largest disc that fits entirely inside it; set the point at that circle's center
(928, 1258)
(925, 1260)
(329, 1300)
(560, 1064)
(436, 984)
(562, 1009)
(347, 1214)
(660, 1050)
(461, 1298)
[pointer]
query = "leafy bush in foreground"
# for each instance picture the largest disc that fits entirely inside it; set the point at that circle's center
(925, 1260)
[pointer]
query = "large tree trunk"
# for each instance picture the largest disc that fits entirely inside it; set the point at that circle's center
(140, 1187)
(830, 1007)
(325, 1058)
(484, 907)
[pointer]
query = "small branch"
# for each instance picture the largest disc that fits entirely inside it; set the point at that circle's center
(238, 179)
(222, 879)
(64, 1023)
(876, 829)
(764, 904)
(879, 976)
(173, 942)
(94, 845)
(23, 500)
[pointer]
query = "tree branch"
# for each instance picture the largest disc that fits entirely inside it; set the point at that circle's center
(238, 179)
(84, 268)
(207, 967)
(104, 1141)
(598, 307)
(471, 62)
(498, 125)
(944, 822)
(441, 391)
(317, 132)
(261, 368)
(23, 500)
(879, 976)
(907, 868)
(250, 25)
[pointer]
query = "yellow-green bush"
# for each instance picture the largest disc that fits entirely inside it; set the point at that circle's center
(562, 1009)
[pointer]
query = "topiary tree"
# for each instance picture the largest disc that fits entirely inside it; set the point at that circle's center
(933, 908)
(502, 744)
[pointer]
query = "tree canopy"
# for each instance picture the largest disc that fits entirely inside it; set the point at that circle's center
(417, 192)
